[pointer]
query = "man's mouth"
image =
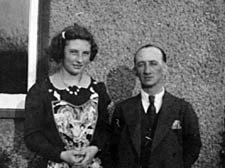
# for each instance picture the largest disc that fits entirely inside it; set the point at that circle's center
(148, 77)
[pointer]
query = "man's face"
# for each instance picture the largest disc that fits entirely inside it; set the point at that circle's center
(149, 67)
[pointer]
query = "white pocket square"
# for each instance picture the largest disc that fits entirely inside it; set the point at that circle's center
(176, 125)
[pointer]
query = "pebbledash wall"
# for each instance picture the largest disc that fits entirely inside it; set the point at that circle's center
(190, 31)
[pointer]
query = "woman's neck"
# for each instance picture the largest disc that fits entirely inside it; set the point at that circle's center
(69, 79)
(62, 79)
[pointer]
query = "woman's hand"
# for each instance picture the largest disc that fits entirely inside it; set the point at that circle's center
(89, 153)
(72, 156)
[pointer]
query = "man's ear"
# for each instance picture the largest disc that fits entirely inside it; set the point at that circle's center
(165, 69)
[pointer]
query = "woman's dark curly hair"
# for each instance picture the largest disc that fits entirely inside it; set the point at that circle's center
(57, 45)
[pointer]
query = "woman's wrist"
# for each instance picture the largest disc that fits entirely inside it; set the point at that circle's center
(95, 148)
(62, 155)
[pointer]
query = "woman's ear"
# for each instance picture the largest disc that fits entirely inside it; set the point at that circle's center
(135, 71)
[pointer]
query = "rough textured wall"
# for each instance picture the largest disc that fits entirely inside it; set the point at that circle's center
(13, 153)
(190, 31)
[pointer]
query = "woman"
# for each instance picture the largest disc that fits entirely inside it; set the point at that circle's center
(66, 118)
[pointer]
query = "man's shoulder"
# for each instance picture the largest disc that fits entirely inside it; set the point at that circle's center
(172, 96)
(175, 99)
(129, 101)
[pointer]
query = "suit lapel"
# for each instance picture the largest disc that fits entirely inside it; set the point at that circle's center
(134, 124)
(165, 119)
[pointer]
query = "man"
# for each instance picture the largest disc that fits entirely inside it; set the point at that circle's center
(154, 129)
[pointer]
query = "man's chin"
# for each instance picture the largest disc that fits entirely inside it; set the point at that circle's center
(147, 85)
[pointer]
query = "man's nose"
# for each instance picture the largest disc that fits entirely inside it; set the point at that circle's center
(148, 69)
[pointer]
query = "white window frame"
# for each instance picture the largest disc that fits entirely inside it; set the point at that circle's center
(17, 101)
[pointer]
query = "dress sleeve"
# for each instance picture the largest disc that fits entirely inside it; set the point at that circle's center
(102, 131)
(34, 126)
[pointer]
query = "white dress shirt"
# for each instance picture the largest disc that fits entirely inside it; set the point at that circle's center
(157, 101)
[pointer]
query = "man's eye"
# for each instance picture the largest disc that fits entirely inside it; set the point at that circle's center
(86, 53)
(140, 65)
(153, 63)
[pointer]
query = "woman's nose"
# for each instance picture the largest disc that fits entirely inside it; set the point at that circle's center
(79, 57)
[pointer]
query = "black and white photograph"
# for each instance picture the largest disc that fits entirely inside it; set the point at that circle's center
(112, 84)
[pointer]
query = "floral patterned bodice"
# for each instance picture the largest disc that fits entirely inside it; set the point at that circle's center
(75, 122)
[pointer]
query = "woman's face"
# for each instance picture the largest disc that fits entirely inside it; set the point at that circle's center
(76, 56)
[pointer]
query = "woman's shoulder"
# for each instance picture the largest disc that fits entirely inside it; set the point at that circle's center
(40, 85)
(98, 85)
(101, 89)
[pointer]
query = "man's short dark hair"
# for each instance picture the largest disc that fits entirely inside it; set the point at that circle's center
(148, 46)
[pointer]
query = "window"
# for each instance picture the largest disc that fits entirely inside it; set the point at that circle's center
(13, 46)
(20, 58)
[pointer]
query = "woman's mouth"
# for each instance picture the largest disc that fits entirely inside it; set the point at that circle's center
(77, 66)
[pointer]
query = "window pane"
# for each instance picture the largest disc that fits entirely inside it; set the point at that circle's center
(14, 17)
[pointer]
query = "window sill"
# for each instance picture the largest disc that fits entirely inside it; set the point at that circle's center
(11, 113)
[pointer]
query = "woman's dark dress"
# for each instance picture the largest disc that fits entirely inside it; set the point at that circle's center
(71, 118)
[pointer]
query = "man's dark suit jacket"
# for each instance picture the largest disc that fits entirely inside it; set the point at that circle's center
(173, 146)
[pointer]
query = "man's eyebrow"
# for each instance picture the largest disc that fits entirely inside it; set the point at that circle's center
(72, 49)
(140, 61)
(87, 51)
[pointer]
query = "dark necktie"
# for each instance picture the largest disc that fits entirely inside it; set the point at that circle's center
(152, 111)
(151, 115)
(149, 134)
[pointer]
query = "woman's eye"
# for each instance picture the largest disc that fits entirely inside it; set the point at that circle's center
(74, 52)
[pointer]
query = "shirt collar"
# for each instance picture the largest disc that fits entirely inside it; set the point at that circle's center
(157, 101)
